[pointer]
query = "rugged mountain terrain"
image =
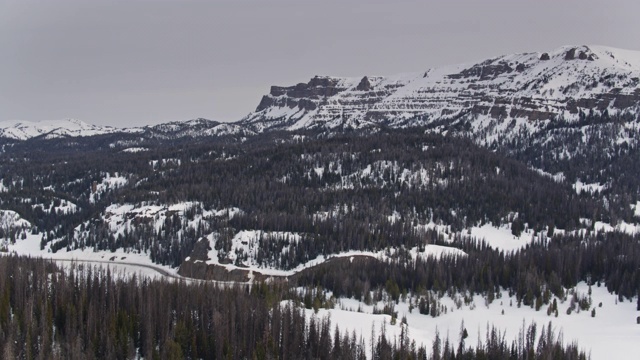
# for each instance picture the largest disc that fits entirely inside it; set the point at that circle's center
(515, 180)
(570, 115)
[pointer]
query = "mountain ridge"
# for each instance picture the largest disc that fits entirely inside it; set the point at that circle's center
(528, 88)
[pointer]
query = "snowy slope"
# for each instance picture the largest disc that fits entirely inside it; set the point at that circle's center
(193, 128)
(611, 334)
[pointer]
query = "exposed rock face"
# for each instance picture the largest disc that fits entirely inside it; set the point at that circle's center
(523, 87)
(305, 96)
(364, 85)
(484, 71)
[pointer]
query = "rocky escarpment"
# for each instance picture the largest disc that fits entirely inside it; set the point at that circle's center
(528, 88)
(304, 96)
(320, 101)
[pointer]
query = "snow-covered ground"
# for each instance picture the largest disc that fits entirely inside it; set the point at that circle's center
(611, 334)
(11, 219)
(245, 245)
(120, 217)
(498, 237)
(117, 269)
(501, 237)
(636, 209)
(622, 226)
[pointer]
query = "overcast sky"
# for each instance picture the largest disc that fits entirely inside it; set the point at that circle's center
(138, 62)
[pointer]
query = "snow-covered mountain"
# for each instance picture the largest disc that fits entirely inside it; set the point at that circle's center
(529, 88)
(489, 99)
(23, 130)
(50, 129)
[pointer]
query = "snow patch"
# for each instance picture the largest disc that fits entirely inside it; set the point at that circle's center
(64, 207)
(501, 237)
(622, 226)
(135, 150)
(108, 183)
(581, 187)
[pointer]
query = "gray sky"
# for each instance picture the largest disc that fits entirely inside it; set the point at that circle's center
(138, 62)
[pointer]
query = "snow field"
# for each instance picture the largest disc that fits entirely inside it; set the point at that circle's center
(611, 334)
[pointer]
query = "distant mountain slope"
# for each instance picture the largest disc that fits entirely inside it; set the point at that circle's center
(23, 130)
(51, 129)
